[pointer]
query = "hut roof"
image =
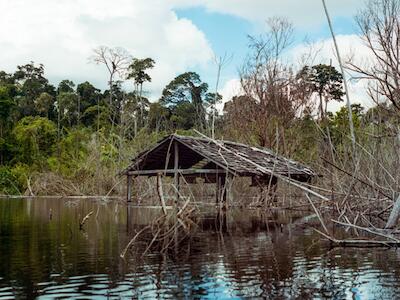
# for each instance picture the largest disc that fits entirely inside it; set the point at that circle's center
(206, 154)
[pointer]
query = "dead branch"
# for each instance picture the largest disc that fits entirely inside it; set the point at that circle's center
(161, 194)
(318, 214)
(372, 231)
(394, 214)
(358, 179)
(84, 220)
(353, 242)
(123, 253)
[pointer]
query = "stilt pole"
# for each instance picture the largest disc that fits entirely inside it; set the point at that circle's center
(228, 190)
(221, 189)
(176, 174)
(129, 188)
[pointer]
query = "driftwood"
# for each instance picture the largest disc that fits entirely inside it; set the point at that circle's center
(355, 242)
(318, 214)
(84, 220)
(369, 230)
(394, 214)
(169, 229)
(28, 183)
(123, 253)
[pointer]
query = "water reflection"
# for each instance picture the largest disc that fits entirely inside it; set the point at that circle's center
(252, 254)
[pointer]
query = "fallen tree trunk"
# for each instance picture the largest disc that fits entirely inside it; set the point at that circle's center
(359, 243)
(372, 231)
(394, 215)
(84, 220)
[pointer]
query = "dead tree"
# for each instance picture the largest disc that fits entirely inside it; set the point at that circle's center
(116, 60)
(270, 84)
(379, 25)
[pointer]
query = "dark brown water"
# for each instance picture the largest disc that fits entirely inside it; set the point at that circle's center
(44, 254)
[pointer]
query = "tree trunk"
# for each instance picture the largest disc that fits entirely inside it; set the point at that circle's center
(141, 121)
(321, 107)
(394, 214)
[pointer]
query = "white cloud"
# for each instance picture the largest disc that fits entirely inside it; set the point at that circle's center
(230, 89)
(304, 13)
(62, 34)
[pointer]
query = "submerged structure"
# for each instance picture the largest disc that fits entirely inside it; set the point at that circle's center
(216, 161)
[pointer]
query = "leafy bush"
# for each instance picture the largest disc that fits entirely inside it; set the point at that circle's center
(13, 180)
(35, 138)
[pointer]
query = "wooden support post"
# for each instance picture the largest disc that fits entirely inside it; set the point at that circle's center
(221, 221)
(176, 174)
(228, 190)
(272, 189)
(129, 188)
(176, 182)
(217, 189)
(267, 188)
(221, 190)
(128, 218)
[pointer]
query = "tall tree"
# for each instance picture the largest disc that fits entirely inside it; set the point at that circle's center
(35, 138)
(7, 100)
(32, 83)
(188, 87)
(44, 104)
(90, 103)
(326, 81)
(220, 62)
(89, 95)
(271, 84)
(67, 108)
(159, 117)
(65, 86)
(379, 24)
(137, 72)
(116, 60)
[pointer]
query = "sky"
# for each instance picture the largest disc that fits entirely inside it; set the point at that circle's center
(180, 35)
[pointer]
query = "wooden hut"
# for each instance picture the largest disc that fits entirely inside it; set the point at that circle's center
(216, 161)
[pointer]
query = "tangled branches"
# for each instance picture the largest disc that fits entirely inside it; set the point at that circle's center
(168, 231)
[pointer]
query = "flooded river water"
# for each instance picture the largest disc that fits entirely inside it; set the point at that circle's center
(44, 254)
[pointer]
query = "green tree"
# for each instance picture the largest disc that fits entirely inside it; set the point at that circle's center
(44, 104)
(68, 108)
(7, 103)
(117, 102)
(65, 86)
(184, 115)
(159, 117)
(137, 72)
(31, 81)
(188, 87)
(326, 81)
(89, 95)
(7, 106)
(35, 139)
(340, 123)
(73, 150)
